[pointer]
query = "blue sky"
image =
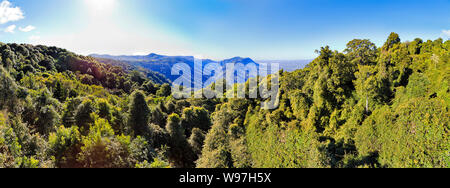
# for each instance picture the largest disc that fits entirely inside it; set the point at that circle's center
(218, 29)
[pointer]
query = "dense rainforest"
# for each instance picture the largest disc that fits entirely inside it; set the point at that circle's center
(365, 107)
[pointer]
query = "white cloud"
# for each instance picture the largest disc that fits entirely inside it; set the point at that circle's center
(446, 33)
(27, 28)
(9, 13)
(10, 29)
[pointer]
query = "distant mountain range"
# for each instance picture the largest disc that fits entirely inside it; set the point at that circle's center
(154, 76)
(163, 64)
(288, 65)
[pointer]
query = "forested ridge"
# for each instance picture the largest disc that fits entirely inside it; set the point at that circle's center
(164, 64)
(365, 107)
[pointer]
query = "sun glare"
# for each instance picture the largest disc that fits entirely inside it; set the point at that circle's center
(101, 5)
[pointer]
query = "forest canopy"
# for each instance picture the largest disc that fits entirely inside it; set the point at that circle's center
(365, 107)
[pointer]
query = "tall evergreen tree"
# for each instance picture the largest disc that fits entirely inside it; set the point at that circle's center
(83, 114)
(139, 113)
(180, 153)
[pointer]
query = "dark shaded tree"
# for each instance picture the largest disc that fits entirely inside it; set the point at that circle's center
(139, 113)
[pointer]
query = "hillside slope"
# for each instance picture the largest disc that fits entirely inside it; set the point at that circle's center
(155, 77)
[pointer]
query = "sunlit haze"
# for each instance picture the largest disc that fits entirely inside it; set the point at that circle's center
(218, 29)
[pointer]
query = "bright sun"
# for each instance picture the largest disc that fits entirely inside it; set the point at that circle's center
(101, 5)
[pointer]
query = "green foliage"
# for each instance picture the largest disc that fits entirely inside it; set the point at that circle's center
(393, 39)
(155, 164)
(274, 147)
(173, 126)
(83, 114)
(195, 117)
(361, 52)
(180, 153)
(158, 117)
(104, 109)
(64, 145)
(415, 134)
(353, 118)
(139, 113)
(158, 136)
(366, 86)
(196, 141)
(164, 91)
(216, 152)
(8, 90)
(300, 104)
(102, 149)
(238, 147)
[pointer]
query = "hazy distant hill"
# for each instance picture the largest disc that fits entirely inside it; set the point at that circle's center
(156, 77)
(163, 64)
